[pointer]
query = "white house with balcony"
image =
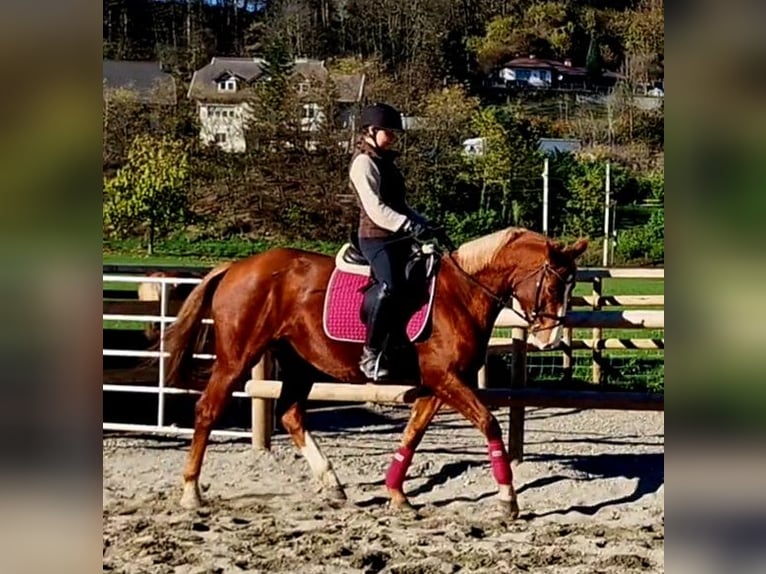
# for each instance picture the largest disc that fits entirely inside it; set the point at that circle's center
(223, 88)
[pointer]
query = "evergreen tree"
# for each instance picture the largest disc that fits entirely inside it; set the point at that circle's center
(593, 62)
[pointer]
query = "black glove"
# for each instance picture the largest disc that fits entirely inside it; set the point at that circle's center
(419, 227)
(416, 228)
(441, 235)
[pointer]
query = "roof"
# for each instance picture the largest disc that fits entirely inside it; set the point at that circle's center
(204, 81)
(563, 145)
(350, 86)
(144, 78)
(533, 62)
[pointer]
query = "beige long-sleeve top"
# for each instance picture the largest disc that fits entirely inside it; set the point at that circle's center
(365, 177)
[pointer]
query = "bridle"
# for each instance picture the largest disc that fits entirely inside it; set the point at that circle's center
(506, 302)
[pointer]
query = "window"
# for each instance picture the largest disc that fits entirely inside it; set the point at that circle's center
(309, 111)
(221, 112)
(303, 87)
(220, 138)
(228, 85)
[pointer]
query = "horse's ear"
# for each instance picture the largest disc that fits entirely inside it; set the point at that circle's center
(554, 248)
(557, 245)
(577, 249)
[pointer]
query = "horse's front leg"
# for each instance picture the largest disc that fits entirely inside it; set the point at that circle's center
(423, 410)
(454, 392)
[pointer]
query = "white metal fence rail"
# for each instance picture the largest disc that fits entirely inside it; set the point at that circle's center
(161, 390)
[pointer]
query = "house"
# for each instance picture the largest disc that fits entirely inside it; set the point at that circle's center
(474, 146)
(542, 73)
(136, 96)
(145, 81)
(223, 89)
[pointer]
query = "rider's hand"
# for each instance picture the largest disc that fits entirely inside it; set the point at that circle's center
(416, 227)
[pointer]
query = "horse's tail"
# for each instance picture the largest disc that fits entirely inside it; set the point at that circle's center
(182, 338)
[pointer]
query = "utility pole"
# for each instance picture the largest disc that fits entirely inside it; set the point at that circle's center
(545, 197)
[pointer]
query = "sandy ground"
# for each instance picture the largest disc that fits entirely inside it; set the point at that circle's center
(591, 491)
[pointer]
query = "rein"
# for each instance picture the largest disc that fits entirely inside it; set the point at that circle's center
(506, 302)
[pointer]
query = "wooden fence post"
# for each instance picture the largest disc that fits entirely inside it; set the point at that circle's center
(262, 409)
(567, 361)
(597, 358)
(518, 380)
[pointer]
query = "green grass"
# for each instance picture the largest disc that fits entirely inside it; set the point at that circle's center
(184, 252)
(125, 325)
(623, 287)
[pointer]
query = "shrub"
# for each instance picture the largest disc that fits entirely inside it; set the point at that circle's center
(645, 242)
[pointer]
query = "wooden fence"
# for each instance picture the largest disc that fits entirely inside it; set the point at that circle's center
(515, 395)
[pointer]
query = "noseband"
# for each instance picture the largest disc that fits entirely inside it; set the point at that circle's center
(537, 312)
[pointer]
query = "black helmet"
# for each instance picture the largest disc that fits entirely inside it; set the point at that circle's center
(381, 116)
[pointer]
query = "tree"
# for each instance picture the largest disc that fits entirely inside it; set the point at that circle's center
(593, 62)
(272, 107)
(504, 37)
(432, 157)
(491, 169)
(584, 211)
(508, 170)
(150, 190)
(645, 38)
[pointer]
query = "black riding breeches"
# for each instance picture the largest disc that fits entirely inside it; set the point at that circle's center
(383, 307)
(388, 260)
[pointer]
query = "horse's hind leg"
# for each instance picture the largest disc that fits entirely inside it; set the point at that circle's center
(321, 468)
(209, 407)
(423, 411)
(297, 385)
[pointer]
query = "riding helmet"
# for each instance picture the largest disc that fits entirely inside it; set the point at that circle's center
(381, 116)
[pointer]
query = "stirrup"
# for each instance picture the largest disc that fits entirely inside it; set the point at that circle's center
(380, 372)
(372, 369)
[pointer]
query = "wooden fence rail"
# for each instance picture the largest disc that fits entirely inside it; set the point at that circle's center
(264, 390)
(406, 394)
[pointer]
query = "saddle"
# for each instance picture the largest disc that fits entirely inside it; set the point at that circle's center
(352, 254)
(350, 281)
(420, 267)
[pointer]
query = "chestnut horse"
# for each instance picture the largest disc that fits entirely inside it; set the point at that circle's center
(276, 298)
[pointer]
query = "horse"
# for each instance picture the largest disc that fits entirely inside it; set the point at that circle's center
(275, 298)
(175, 292)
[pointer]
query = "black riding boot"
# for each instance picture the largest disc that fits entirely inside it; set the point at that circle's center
(377, 311)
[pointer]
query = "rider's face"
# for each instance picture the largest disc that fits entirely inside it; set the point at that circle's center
(384, 139)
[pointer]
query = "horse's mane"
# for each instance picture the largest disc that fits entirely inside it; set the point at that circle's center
(479, 253)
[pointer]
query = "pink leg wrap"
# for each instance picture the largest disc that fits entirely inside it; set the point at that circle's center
(398, 469)
(501, 465)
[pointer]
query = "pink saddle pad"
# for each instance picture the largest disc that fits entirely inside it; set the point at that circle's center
(343, 302)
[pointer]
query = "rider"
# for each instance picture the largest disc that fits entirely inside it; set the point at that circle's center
(387, 226)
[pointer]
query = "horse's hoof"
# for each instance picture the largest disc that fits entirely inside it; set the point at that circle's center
(402, 507)
(335, 494)
(509, 507)
(191, 499)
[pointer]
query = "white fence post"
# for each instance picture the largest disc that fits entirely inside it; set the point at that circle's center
(605, 258)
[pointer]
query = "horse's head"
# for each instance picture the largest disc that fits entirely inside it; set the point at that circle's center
(542, 283)
(516, 263)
